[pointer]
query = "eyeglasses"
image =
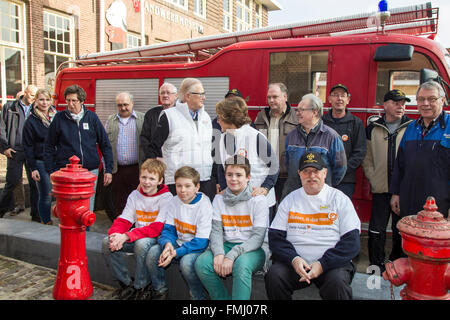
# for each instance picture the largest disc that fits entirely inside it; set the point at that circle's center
(166, 92)
(429, 99)
(202, 94)
(120, 105)
(303, 109)
(72, 101)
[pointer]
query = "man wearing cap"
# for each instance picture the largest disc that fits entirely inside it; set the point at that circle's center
(351, 130)
(422, 166)
(383, 138)
(275, 122)
(313, 238)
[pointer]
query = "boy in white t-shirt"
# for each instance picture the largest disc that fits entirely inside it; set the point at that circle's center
(313, 237)
(184, 237)
(239, 226)
(143, 209)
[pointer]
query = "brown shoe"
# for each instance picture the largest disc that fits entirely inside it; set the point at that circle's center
(50, 223)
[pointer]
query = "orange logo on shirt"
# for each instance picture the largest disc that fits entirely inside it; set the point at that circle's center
(236, 221)
(320, 219)
(144, 216)
(344, 137)
(183, 227)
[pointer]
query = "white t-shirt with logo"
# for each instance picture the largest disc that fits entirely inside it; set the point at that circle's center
(190, 220)
(239, 220)
(315, 223)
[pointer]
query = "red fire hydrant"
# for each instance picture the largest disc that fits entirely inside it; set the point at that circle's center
(426, 241)
(72, 187)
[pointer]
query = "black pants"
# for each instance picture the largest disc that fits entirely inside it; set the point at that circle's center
(282, 280)
(125, 181)
(208, 187)
(379, 218)
(14, 171)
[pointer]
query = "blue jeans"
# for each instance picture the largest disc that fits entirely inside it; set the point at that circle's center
(187, 268)
(243, 268)
(118, 266)
(44, 187)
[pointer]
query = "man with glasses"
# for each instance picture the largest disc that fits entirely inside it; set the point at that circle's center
(77, 131)
(383, 138)
(123, 129)
(275, 122)
(351, 130)
(311, 134)
(167, 96)
(12, 120)
(183, 137)
(422, 167)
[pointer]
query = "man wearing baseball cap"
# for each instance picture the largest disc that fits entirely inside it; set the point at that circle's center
(383, 138)
(313, 237)
(351, 129)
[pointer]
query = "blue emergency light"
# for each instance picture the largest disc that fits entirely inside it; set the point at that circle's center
(383, 6)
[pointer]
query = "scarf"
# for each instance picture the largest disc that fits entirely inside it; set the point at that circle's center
(231, 199)
(46, 119)
(77, 117)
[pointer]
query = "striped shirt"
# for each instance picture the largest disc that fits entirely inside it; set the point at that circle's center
(127, 152)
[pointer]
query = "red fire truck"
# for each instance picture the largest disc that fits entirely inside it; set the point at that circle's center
(307, 57)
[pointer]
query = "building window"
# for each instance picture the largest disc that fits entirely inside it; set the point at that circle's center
(243, 15)
(133, 41)
(58, 44)
(200, 8)
(258, 15)
(11, 50)
(179, 3)
(227, 15)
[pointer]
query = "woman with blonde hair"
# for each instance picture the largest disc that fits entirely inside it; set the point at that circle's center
(238, 137)
(35, 132)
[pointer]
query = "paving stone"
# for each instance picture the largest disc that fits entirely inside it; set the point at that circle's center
(24, 281)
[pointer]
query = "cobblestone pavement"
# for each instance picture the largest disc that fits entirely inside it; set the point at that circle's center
(24, 281)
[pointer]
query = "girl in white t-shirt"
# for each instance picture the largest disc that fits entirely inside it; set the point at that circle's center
(239, 226)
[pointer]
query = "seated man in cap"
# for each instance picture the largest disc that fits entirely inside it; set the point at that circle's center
(313, 237)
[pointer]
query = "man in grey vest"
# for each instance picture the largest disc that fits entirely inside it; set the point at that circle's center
(124, 129)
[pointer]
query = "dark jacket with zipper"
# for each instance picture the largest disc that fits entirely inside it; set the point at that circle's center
(11, 126)
(66, 138)
(34, 134)
(351, 130)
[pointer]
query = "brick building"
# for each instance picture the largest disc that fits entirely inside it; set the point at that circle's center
(36, 36)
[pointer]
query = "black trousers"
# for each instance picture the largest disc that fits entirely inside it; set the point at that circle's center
(282, 280)
(379, 218)
(14, 171)
(208, 187)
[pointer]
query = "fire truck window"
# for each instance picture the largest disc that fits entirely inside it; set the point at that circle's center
(302, 72)
(403, 75)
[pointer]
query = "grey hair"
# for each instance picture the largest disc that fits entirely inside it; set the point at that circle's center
(165, 84)
(280, 85)
(316, 103)
(186, 86)
(127, 93)
(430, 85)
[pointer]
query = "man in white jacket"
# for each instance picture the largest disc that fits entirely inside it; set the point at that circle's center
(183, 137)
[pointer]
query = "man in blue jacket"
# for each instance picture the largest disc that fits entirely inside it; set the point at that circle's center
(77, 131)
(422, 167)
(313, 238)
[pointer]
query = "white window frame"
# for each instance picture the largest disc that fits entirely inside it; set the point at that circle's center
(177, 3)
(228, 14)
(200, 4)
(55, 54)
(241, 24)
(21, 46)
(258, 17)
(133, 40)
